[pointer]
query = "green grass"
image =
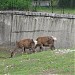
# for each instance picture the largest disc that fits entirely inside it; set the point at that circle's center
(56, 10)
(37, 63)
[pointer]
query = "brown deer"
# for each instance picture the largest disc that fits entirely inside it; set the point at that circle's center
(45, 41)
(24, 44)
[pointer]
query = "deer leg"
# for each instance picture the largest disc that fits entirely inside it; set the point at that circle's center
(12, 53)
(24, 50)
(41, 48)
(33, 49)
(51, 47)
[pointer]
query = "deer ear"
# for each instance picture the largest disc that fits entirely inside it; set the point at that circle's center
(54, 38)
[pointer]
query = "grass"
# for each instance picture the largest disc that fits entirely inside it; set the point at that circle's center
(56, 10)
(41, 63)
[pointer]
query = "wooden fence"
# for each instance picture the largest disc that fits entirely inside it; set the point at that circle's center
(16, 25)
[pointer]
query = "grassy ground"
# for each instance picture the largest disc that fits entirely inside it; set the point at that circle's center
(56, 10)
(41, 63)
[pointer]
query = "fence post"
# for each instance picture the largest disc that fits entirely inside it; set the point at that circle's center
(35, 6)
(63, 6)
(52, 5)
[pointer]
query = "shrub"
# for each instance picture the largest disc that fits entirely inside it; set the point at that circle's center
(66, 3)
(15, 4)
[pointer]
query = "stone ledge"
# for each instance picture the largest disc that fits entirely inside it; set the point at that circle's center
(41, 14)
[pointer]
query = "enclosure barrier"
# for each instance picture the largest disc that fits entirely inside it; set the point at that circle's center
(16, 25)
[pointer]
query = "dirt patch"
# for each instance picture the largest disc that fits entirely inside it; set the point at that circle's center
(63, 51)
(48, 72)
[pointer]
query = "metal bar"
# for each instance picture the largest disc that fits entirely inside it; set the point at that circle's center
(63, 7)
(52, 5)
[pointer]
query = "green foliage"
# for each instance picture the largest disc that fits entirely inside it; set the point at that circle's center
(56, 10)
(38, 64)
(66, 3)
(15, 4)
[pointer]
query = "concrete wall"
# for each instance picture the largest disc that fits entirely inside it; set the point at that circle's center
(17, 25)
